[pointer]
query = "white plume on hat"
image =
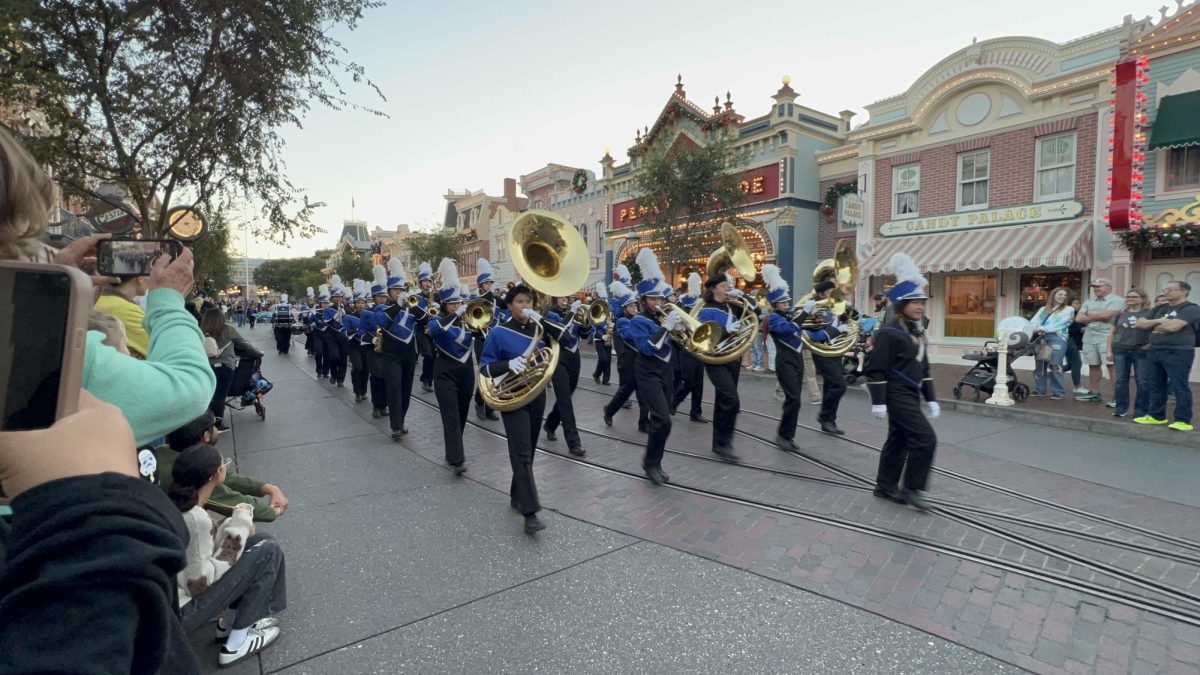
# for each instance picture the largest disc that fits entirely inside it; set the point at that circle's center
(482, 266)
(310, 292)
(449, 271)
(619, 290)
(647, 262)
(601, 291)
(774, 278)
(904, 268)
(283, 299)
(623, 272)
(396, 268)
(464, 290)
(380, 276)
(425, 268)
(324, 288)
(693, 284)
(360, 287)
(336, 283)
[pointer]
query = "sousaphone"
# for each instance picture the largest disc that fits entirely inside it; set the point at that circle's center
(708, 347)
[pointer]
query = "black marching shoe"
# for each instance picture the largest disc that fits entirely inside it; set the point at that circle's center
(655, 475)
(385, 411)
(725, 452)
(550, 435)
(644, 428)
(459, 469)
(832, 428)
(578, 451)
(607, 419)
(532, 524)
(699, 419)
(512, 504)
(596, 379)
(376, 413)
(627, 406)
(479, 411)
(892, 495)
(786, 444)
(340, 384)
(331, 380)
(914, 499)
(491, 415)
(397, 435)
(426, 387)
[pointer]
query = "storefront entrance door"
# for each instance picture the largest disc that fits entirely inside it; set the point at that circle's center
(1156, 276)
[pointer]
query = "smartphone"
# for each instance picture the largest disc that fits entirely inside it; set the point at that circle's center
(43, 329)
(132, 257)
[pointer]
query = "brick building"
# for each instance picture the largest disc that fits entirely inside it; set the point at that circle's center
(583, 202)
(485, 219)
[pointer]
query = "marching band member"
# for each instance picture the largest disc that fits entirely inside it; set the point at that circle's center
(320, 327)
(399, 352)
(602, 342)
(282, 321)
(352, 328)
(829, 367)
(789, 363)
(424, 344)
(691, 380)
(648, 340)
(454, 367)
(484, 282)
(560, 325)
(306, 314)
(379, 298)
(333, 316)
(898, 378)
(504, 352)
(717, 295)
(626, 308)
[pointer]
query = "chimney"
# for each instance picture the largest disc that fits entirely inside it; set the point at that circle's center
(846, 116)
(510, 193)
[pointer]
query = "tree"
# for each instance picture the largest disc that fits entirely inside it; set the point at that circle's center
(431, 247)
(176, 101)
(686, 193)
(351, 265)
(213, 266)
(291, 275)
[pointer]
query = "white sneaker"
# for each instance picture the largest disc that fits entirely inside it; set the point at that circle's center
(261, 624)
(256, 641)
(1079, 391)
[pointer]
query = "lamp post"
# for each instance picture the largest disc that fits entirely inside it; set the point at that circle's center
(1000, 390)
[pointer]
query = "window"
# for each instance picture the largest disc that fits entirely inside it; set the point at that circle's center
(1183, 168)
(971, 306)
(973, 169)
(1055, 168)
(906, 188)
(1036, 287)
(583, 232)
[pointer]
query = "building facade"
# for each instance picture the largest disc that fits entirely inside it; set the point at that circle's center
(388, 244)
(484, 219)
(985, 172)
(574, 194)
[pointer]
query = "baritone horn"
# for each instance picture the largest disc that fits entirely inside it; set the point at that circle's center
(842, 269)
(728, 347)
(550, 255)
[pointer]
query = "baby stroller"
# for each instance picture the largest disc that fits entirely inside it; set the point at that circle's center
(982, 376)
(248, 387)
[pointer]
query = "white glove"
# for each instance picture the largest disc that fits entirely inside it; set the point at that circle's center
(935, 410)
(733, 326)
(673, 321)
(532, 315)
(517, 365)
(810, 306)
(433, 307)
(576, 305)
(462, 309)
(835, 322)
(879, 411)
(734, 293)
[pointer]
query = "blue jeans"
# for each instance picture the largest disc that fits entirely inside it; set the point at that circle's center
(1074, 361)
(1051, 368)
(1126, 359)
(1167, 370)
(241, 319)
(756, 353)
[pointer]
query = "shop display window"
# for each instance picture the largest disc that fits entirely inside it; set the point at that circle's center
(971, 306)
(1036, 287)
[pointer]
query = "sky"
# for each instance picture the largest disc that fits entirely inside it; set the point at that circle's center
(479, 91)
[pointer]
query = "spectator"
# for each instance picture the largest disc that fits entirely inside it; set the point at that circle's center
(231, 347)
(1051, 322)
(1096, 316)
(249, 590)
(120, 301)
(1127, 350)
(268, 500)
(1173, 328)
(240, 315)
(28, 197)
(1073, 358)
(251, 315)
(113, 329)
(92, 553)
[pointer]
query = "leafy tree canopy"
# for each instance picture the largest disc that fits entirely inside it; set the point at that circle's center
(431, 247)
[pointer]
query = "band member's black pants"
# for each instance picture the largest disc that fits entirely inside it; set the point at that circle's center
(910, 443)
(789, 369)
(337, 369)
(521, 426)
(378, 383)
(626, 372)
(603, 369)
(724, 379)
(358, 367)
(308, 343)
(830, 369)
(477, 345)
(564, 381)
(427, 353)
(690, 383)
(283, 339)
(325, 349)
(453, 383)
(398, 369)
(655, 384)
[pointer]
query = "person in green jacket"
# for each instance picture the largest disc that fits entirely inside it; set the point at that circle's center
(267, 499)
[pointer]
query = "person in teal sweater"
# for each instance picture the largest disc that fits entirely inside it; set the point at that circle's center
(175, 383)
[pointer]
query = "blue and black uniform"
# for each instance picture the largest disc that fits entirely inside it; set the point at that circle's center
(626, 374)
(830, 370)
(897, 374)
(565, 378)
(425, 350)
(498, 311)
(724, 377)
(789, 367)
(398, 360)
(690, 381)
(453, 380)
(651, 347)
(324, 342)
(597, 335)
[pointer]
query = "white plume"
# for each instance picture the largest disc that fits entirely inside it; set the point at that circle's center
(483, 266)
(310, 292)
(619, 290)
(464, 290)
(904, 268)
(324, 288)
(396, 268)
(623, 272)
(283, 298)
(601, 291)
(694, 284)
(774, 278)
(647, 262)
(336, 282)
(449, 271)
(360, 287)
(425, 268)
(380, 276)
(729, 280)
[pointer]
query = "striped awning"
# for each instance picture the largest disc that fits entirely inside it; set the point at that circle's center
(1067, 244)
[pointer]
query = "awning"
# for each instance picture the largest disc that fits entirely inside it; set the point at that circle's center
(1178, 121)
(1067, 244)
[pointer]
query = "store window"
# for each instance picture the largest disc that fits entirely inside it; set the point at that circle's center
(1183, 168)
(1036, 288)
(1056, 168)
(906, 190)
(971, 306)
(973, 170)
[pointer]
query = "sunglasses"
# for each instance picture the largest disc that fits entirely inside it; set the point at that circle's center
(227, 462)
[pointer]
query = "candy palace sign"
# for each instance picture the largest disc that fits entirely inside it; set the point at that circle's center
(974, 220)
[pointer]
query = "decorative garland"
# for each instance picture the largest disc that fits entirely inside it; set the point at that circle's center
(579, 182)
(839, 190)
(1183, 234)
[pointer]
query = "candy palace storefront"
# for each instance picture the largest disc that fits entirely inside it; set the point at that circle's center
(984, 266)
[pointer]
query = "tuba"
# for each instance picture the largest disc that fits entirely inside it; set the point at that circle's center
(551, 256)
(728, 347)
(842, 269)
(593, 314)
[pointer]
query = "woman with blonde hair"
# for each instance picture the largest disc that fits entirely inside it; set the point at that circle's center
(1052, 322)
(27, 198)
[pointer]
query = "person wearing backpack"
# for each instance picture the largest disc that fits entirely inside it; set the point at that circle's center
(1174, 335)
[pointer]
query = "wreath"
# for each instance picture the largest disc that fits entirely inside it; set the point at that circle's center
(836, 192)
(1182, 234)
(579, 181)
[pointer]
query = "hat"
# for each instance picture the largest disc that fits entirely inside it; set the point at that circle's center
(651, 285)
(824, 285)
(601, 291)
(360, 289)
(622, 274)
(324, 293)
(379, 284)
(517, 290)
(712, 282)
(779, 289)
(335, 283)
(485, 272)
(310, 292)
(621, 292)
(910, 285)
(1100, 281)
(396, 274)
(450, 290)
(424, 272)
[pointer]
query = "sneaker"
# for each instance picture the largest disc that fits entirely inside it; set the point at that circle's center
(256, 641)
(1118, 413)
(261, 624)
(1111, 404)
(1148, 419)
(1089, 397)
(1080, 391)
(1180, 426)
(758, 369)
(815, 400)
(1056, 397)
(1034, 394)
